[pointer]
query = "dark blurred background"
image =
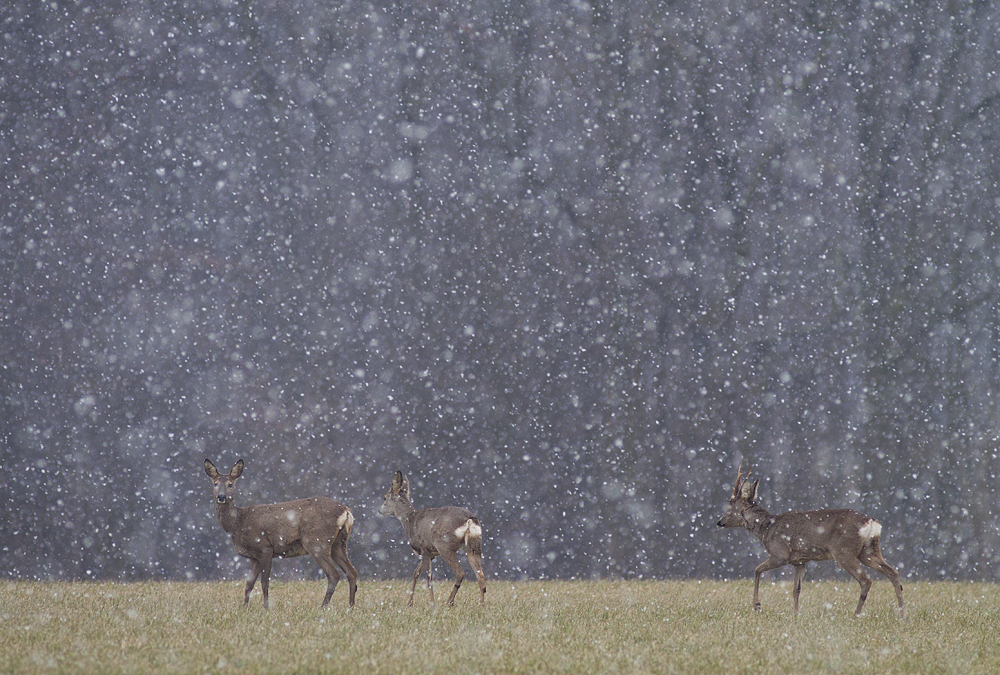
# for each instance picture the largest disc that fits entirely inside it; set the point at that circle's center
(568, 264)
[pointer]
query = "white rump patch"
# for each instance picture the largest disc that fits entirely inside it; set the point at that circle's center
(870, 530)
(345, 519)
(469, 530)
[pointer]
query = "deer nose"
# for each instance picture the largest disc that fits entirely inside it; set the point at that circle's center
(221, 499)
(720, 523)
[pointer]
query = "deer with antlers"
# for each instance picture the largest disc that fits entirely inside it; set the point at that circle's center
(441, 531)
(798, 537)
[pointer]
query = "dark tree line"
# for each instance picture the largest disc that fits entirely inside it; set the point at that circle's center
(566, 264)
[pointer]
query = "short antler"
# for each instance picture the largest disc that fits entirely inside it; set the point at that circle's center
(740, 479)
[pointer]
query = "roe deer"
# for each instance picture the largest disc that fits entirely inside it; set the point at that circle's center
(317, 526)
(437, 532)
(797, 537)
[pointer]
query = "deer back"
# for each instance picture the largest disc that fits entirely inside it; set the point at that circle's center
(284, 525)
(428, 528)
(818, 535)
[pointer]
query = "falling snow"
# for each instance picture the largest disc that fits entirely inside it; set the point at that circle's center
(566, 264)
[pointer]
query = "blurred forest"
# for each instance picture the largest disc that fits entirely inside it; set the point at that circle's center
(568, 264)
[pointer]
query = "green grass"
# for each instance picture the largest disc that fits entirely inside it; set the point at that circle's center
(526, 627)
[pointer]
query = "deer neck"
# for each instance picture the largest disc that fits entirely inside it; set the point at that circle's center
(758, 521)
(405, 513)
(229, 516)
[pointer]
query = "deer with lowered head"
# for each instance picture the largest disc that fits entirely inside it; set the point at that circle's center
(436, 532)
(798, 537)
(317, 526)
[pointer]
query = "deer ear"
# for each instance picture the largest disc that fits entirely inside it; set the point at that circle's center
(753, 490)
(237, 470)
(211, 470)
(397, 482)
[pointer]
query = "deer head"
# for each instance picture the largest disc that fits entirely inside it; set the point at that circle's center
(397, 499)
(224, 484)
(744, 498)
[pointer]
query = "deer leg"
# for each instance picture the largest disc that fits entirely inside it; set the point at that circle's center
(255, 568)
(771, 563)
(800, 572)
(451, 557)
(265, 577)
(875, 560)
(430, 576)
(416, 575)
(476, 561)
(339, 553)
(853, 567)
(332, 578)
(322, 554)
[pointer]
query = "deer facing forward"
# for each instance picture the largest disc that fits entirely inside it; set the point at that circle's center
(798, 537)
(317, 526)
(437, 532)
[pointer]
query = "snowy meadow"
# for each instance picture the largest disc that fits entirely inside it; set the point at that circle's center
(527, 627)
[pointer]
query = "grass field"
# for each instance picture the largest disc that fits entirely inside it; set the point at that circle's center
(526, 627)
